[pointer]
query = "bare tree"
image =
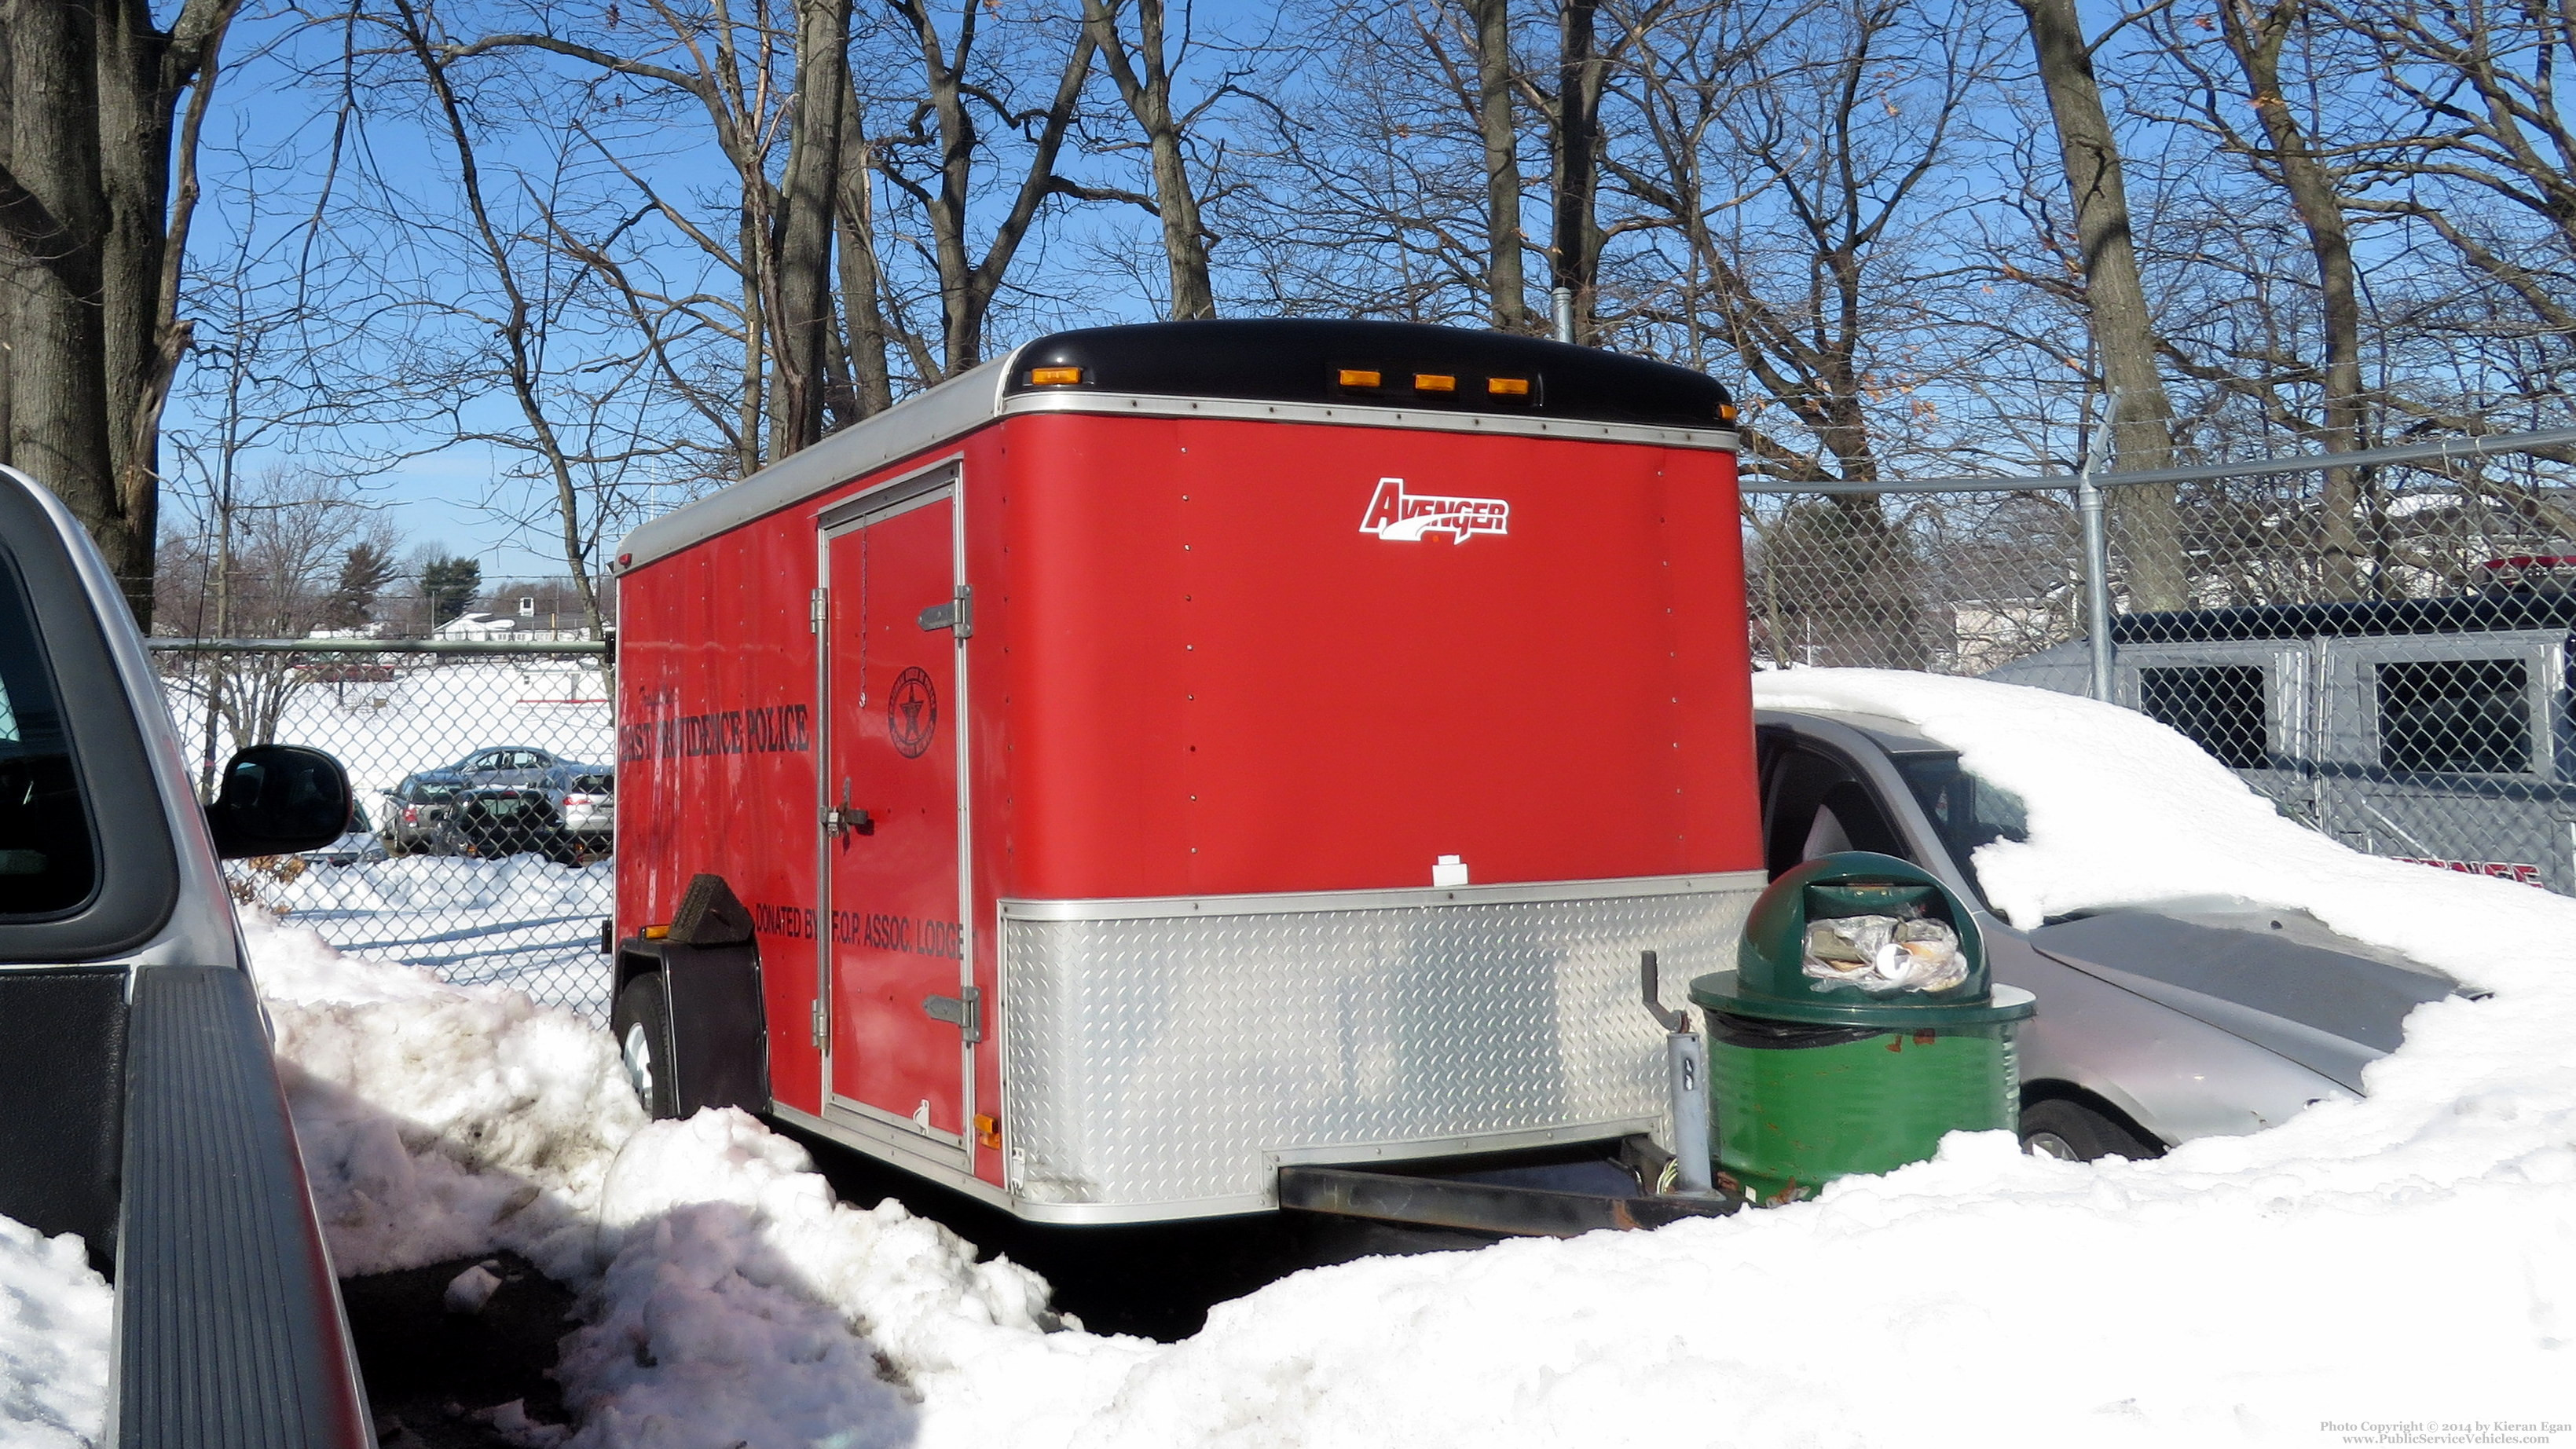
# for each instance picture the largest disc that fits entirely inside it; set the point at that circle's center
(2481, 153)
(1143, 75)
(277, 556)
(946, 127)
(97, 187)
(2256, 34)
(2115, 300)
(1506, 283)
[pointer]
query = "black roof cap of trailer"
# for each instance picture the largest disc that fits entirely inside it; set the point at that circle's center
(1301, 360)
(2459, 614)
(1282, 370)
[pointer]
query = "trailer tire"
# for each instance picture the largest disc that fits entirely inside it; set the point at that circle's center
(641, 1024)
(2073, 1132)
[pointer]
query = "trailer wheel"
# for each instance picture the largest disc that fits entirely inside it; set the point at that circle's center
(641, 1024)
(2072, 1132)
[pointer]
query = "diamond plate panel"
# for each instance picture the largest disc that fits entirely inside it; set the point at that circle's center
(1158, 1060)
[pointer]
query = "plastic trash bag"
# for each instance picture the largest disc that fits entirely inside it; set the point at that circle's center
(1882, 954)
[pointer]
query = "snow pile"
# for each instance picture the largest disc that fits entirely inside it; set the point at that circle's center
(745, 1304)
(439, 1121)
(731, 1297)
(520, 921)
(55, 1319)
(2410, 1257)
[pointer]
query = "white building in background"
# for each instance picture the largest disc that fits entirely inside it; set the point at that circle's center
(481, 626)
(530, 628)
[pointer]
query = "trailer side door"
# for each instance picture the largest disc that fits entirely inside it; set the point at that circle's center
(901, 1025)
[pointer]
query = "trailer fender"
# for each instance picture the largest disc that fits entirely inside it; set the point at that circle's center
(709, 966)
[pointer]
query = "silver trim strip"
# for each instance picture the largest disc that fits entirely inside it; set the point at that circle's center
(910, 1130)
(916, 425)
(902, 1149)
(1155, 907)
(1153, 405)
(896, 495)
(1427, 1148)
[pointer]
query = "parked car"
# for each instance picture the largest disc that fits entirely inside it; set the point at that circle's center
(418, 815)
(586, 797)
(2156, 1025)
(566, 814)
(357, 843)
(139, 1103)
(506, 765)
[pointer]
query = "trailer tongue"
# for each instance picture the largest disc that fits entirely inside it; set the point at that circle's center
(1172, 768)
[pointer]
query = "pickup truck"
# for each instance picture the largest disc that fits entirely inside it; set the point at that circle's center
(139, 1103)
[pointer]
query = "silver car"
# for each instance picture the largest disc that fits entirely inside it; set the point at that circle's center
(2191, 1019)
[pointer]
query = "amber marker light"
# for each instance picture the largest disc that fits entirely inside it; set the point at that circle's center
(656, 933)
(1054, 376)
(1434, 382)
(988, 1131)
(1361, 377)
(1726, 412)
(1507, 386)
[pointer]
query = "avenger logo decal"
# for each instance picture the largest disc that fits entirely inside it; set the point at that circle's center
(1402, 517)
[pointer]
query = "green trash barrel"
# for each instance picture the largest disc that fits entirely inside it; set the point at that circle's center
(1829, 1056)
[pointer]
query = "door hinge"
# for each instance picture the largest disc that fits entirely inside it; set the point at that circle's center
(957, 614)
(822, 608)
(965, 1011)
(822, 1028)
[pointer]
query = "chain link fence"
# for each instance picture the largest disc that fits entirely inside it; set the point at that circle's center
(482, 771)
(2382, 648)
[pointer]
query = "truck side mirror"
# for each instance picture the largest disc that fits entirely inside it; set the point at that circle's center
(277, 800)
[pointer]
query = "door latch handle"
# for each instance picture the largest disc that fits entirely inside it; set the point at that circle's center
(965, 1011)
(957, 614)
(841, 817)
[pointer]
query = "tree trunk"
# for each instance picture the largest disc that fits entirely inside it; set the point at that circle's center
(2147, 520)
(2256, 37)
(1577, 242)
(871, 387)
(811, 194)
(91, 295)
(1147, 90)
(58, 347)
(1506, 287)
(966, 288)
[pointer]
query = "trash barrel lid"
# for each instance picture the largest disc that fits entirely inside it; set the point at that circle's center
(1888, 901)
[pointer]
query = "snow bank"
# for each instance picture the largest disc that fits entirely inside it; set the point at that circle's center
(519, 921)
(731, 1297)
(439, 1121)
(2409, 1257)
(55, 1320)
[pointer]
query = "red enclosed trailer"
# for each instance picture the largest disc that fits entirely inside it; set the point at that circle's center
(1178, 751)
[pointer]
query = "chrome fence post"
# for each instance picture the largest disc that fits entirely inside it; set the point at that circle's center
(2097, 550)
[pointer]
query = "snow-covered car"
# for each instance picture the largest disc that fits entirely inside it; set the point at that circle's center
(140, 1107)
(2158, 1023)
(416, 817)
